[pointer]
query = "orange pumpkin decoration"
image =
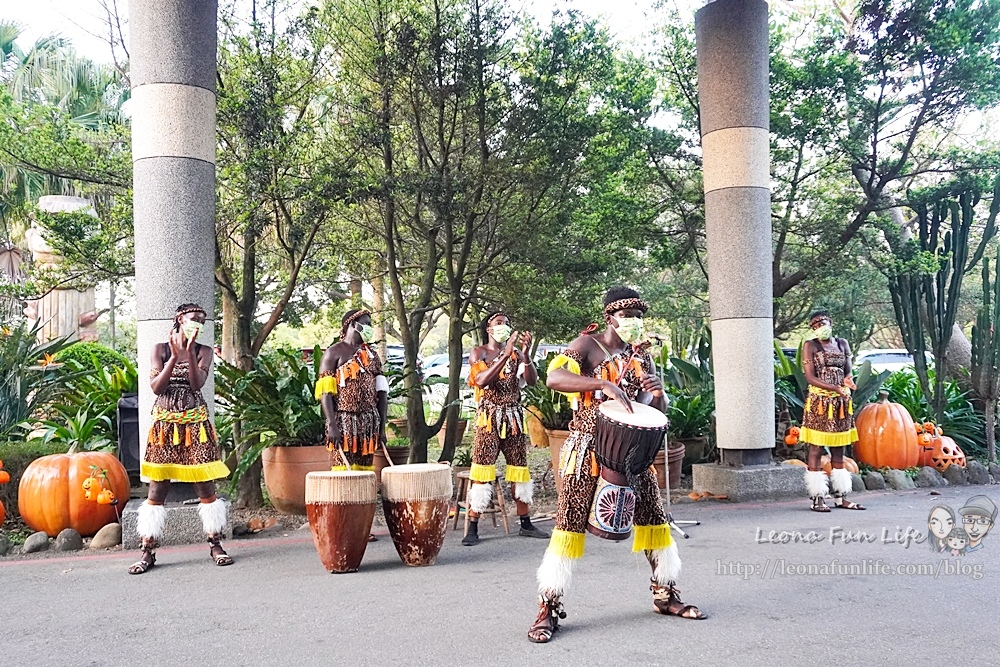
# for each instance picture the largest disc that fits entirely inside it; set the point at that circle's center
(850, 465)
(791, 439)
(886, 435)
(4, 478)
(946, 453)
(794, 431)
(919, 428)
(929, 427)
(925, 438)
(49, 497)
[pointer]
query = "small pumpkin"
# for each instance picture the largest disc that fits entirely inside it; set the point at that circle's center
(929, 427)
(795, 431)
(887, 436)
(925, 438)
(4, 478)
(49, 498)
(791, 439)
(919, 428)
(850, 465)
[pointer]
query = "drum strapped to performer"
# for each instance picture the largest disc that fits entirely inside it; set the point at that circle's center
(625, 445)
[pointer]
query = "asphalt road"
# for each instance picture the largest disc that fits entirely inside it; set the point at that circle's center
(278, 606)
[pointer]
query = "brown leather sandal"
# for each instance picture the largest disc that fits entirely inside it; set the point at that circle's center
(819, 505)
(217, 553)
(147, 560)
(549, 613)
(667, 601)
(843, 503)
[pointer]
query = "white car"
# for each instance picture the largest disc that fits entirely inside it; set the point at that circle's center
(888, 360)
(437, 365)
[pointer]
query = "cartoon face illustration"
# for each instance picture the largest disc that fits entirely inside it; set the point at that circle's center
(978, 516)
(941, 521)
(957, 540)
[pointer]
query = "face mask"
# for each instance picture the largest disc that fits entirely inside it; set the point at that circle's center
(824, 332)
(191, 329)
(501, 333)
(630, 329)
(367, 332)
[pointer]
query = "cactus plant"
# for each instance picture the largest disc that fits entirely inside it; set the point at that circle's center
(986, 352)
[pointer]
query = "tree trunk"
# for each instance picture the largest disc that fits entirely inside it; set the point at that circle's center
(990, 417)
(378, 305)
(454, 381)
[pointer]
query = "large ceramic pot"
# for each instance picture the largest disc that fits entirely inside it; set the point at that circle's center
(285, 470)
(398, 428)
(398, 456)
(556, 440)
(462, 425)
(668, 464)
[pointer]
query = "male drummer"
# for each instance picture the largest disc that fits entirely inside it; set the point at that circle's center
(600, 366)
(353, 394)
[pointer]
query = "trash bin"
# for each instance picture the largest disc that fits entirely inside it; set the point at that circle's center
(128, 433)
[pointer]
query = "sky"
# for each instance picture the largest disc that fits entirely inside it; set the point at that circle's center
(83, 21)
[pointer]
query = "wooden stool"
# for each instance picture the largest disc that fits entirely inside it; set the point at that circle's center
(496, 504)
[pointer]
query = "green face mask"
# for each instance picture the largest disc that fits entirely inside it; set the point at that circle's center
(501, 333)
(630, 329)
(825, 332)
(367, 332)
(191, 329)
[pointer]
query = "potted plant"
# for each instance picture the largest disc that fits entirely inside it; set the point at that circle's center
(553, 410)
(280, 421)
(398, 450)
(690, 416)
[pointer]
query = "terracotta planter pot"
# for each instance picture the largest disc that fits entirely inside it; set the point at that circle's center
(285, 470)
(462, 425)
(668, 464)
(398, 455)
(398, 428)
(556, 440)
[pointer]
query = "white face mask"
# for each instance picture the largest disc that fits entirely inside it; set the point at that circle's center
(501, 333)
(191, 329)
(630, 329)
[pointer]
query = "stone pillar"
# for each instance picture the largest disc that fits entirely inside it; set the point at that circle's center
(732, 43)
(173, 70)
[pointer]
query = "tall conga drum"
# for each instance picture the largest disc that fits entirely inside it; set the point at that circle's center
(415, 499)
(340, 505)
(625, 445)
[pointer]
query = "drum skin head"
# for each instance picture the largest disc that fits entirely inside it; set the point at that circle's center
(642, 415)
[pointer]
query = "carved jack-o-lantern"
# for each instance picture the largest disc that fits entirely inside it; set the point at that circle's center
(946, 453)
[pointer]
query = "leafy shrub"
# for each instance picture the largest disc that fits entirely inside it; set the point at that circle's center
(16, 456)
(84, 353)
(28, 382)
(961, 421)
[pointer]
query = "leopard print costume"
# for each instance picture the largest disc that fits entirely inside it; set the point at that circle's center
(578, 467)
(499, 426)
(357, 410)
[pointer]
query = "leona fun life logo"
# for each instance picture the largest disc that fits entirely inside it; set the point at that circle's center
(962, 532)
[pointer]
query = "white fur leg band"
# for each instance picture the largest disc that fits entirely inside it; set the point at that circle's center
(816, 483)
(524, 491)
(151, 521)
(479, 497)
(554, 574)
(666, 565)
(840, 481)
(213, 516)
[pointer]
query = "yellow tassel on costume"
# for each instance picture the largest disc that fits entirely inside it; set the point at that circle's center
(850, 407)
(503, 430)
(482, 473)
(202, 434)
(570, 364)
(326, 385)
(177, 435)
(650, 538)
(571, 462)
(567, 544)
(829, 411)
(518, 474)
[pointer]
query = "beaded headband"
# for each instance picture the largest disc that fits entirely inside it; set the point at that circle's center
(191, 309)
(632, 303)
(352, 319)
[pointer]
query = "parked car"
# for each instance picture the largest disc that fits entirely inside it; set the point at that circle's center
(544, 349)
(438, 365)
(889, 360)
